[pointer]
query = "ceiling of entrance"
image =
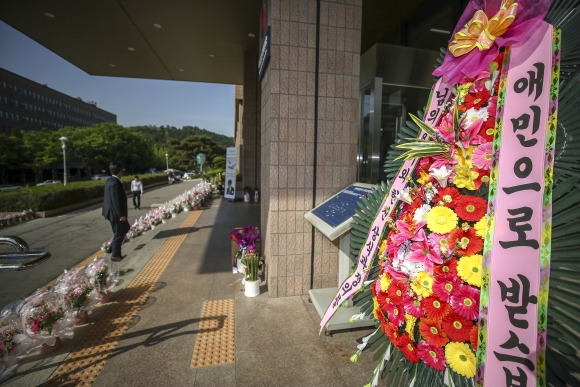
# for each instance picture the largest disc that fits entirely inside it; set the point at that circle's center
(195, 40)
(202, 41)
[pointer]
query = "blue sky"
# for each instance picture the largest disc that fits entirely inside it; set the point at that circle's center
(134, 101)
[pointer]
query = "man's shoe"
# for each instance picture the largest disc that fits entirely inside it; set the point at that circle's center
(117, 258)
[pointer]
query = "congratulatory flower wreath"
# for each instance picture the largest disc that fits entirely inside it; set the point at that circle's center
(426, 295)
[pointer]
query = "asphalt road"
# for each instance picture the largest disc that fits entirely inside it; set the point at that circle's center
(72, 238)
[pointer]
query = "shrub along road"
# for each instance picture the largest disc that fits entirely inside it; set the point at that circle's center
(72, 238)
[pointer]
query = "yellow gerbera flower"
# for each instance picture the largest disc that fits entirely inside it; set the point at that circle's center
(460, 358)
(385, 282)
(481, 227)
(423, 284)
(441, 220)
(469, 269)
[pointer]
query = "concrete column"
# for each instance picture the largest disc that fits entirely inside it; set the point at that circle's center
(309, 104)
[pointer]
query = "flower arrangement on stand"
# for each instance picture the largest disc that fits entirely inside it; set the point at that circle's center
(427, 293)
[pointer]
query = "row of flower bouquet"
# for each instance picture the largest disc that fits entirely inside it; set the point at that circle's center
(49, 314)
(190, 200)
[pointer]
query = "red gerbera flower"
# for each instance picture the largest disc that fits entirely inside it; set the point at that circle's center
(447, 195)
(487, 130)
(476, 100)
(396, 291)
(382, 299)
(448, 267)
(465, 242)
(470, 208)
(432, 332)
(443, 286)
(435, 308)
(412, 306)
(465, 302)
(457, 328)
(433, 356)
(473, 334)
(408, 348)
(482, 177)
(392, 332)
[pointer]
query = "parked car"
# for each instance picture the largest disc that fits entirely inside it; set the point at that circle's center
(99, 177)
(188, 175)
(50, 182)
(7, 187)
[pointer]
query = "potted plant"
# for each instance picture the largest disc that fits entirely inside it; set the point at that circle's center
(252, 262)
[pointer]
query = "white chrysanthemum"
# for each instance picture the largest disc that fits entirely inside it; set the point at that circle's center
(421, 213)
(473, 115)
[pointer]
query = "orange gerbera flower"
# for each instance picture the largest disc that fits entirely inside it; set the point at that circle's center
(448, 267)
(470, 208)
(465, 242)
(432, 332)
(435, 308)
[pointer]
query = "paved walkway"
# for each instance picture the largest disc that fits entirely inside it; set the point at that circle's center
(180, 318)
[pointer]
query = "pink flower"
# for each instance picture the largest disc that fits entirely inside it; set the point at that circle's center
(465, 302)
(412, 306)
(444, 285)
(482, 156)
(423, 252)
(407, 232)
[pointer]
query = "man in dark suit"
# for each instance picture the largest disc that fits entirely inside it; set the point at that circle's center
(115, 209)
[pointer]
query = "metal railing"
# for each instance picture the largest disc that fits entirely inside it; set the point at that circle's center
(22, 258)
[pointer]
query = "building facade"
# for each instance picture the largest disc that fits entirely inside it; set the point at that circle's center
(27, 105)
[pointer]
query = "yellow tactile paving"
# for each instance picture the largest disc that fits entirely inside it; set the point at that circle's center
(83, 365)
(215, 342)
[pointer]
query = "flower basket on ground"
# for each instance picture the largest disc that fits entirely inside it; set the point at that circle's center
(13, 344)
(245, 239)
(251, 268)
(103, 276)
(79, 292)
(45, 317)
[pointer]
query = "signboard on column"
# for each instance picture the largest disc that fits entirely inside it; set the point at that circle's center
(231, 165)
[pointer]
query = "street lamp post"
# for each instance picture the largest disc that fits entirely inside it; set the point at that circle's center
(63, 139)
(167, 162)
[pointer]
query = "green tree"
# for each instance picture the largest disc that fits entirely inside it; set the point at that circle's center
(100, 144)
(10, 155)
(41, 149)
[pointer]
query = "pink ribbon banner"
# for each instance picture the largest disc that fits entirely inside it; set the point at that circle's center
(439, 96)
(514, 261)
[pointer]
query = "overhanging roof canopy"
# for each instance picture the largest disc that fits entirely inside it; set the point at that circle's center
(196, 40)
(201, 41)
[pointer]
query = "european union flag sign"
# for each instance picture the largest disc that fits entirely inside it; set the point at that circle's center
(340, 207)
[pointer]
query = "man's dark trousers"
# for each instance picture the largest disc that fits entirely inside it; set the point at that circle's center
(120, 229)
(137, 199)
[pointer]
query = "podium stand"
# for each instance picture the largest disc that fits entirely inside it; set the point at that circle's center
(332, 218)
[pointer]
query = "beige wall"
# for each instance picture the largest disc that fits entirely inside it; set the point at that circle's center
(288, 125)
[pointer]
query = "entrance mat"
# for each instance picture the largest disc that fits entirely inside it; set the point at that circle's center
(215, 343)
